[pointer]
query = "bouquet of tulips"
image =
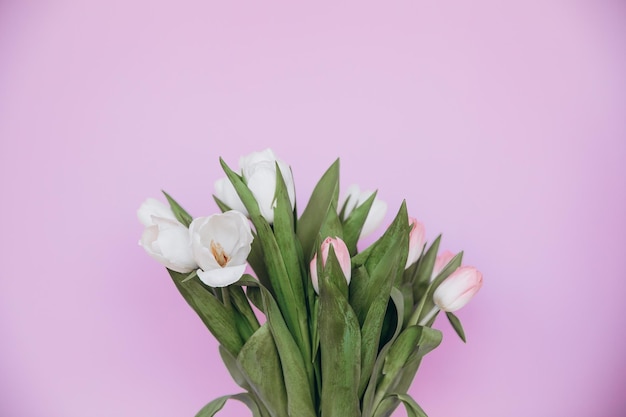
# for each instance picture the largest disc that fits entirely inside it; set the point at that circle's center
(342, 331)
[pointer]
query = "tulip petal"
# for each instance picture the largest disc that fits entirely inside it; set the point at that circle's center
(222, 277)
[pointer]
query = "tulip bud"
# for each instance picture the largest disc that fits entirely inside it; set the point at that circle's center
(220, 244)
(354, 198)
(167, 241)
(440, 263)
(458, 289)
(343, 256)
(417, 238)
(259, 173)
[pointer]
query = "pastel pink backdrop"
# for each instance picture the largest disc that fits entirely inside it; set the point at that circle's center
(501, 123)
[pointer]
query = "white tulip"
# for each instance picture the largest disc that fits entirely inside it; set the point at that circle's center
(153, 207)
(354, 198)
(168, 242)
(259, 172)
(220, 245)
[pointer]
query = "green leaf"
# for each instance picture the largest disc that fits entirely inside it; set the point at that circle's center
(212, 312)
(221, 205)
(384, 274)
(368, 397)
(392, 401)
(241, 303)
(331, 227)
(325, 194)
(399, 374)
(217, 404)
(256, 260)
(383, 265)
(260, 364)
(291, 254)
(425, 269)
(424, 339)
(213, 407)
(254, 295)
(340, 348)
(456, 325)
(287, 291)
(428, 341)
(297, 372)
(179, 212)
(230, 362)
(353, 225)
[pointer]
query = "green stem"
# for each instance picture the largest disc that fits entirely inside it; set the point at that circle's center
(226, 298)
(429, 316)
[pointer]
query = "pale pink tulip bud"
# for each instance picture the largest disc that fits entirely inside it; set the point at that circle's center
(441, 262)
(417, 238)
(458, 289)
(343, 256)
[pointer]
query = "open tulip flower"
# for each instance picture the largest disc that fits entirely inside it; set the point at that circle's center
(167, 241)
(220, 244)
(343, 335)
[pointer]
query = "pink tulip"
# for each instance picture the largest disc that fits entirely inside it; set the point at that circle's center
(458, 289)
(343, 256)
(417, 238)
(441, 262)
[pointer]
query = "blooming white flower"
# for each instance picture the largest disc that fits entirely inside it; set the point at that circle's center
(458, 289)
(343, 256)
(417, 238)
(259, 172)
(153, 207)
(353, 198)
(167, 241)
(220, 245)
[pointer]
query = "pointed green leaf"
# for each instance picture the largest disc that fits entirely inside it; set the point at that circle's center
(291, 254)
(297, 372)
(179, 212)
(392, 401)
(384, 265)
(212, 312)
(424, 270)
(375, 315)
(221, 205)
(456, 325)
(241, 303)
(260, 365)
(353, 225)
(429, 340)
(256, 260)
(325, 194)
(287, 291)
(230, 362)
(217, 404)
(213, 407)
(401, 349)
(376, 373)
(254, 295)
(340, 349)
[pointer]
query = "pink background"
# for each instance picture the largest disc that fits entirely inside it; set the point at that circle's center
(502, 124)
